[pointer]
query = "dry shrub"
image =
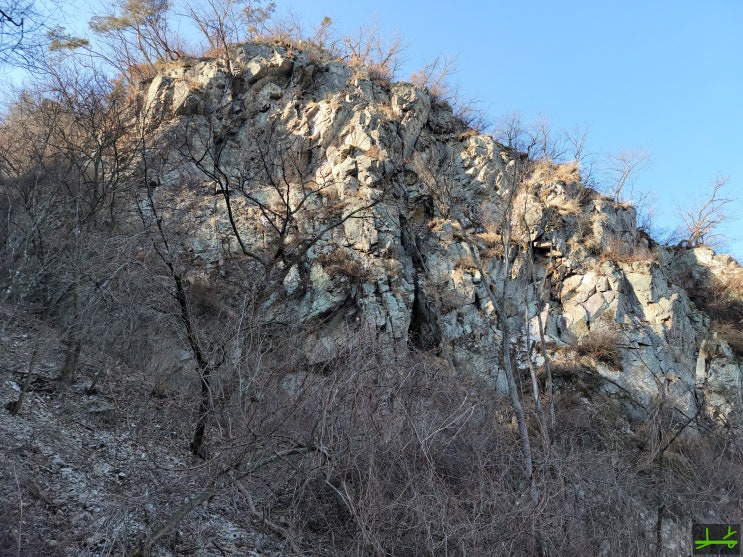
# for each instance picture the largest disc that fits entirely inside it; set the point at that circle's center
(708, 475)
(601, 344)
(434, 77)
(722, 301)
(415, 467)
(468, 133)
(19, 536)
(416, 460)
(470, 113)
(409, 458)
(318, 43)
(490, 244)
(690, 464)
(464, 262)
(556, 186)
(140, 73)
(214, 52)
(617, 251)
(412, 458)
(601, 487)
(371, 49)
(732, 334)
(547, 171)
(632, 475)
(345, 262)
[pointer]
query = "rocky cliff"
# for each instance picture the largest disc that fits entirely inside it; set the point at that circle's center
(417, 208)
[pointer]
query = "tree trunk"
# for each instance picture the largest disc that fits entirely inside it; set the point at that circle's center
(72, 342)
(72, 356)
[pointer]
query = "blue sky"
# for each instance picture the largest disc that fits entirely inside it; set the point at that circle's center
(665, 76)
(654, 74)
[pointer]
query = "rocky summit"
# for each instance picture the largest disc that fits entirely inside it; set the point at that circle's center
(321, 315)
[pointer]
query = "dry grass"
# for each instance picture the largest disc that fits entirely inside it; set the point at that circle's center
(545, 172)
(732, 334)
(490, 244)
(601, 344)
(724, 304)
(375, 152)
(564, 205)
(346, 263)
(142, 73)
(621, 252)
(467, 134)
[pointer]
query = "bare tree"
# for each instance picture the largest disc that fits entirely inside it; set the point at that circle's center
(225, 23)
(370, 48)
(507, 219)
(537, 290)
(207, 359)
(500, 286)
(702, 222)
(613, 174)
(621, 172)
(61, 174)
(13, 22)
(512, 131)
(277, 177)
(540, 142)
(435, 76)
(274, 189)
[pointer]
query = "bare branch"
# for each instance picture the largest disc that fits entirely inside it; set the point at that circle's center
(435, 77)
(701, 223)
(622, 169)
(23, 29)
(370, 48)
(232, 478)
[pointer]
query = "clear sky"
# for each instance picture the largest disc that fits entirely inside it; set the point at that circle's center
(660, 75)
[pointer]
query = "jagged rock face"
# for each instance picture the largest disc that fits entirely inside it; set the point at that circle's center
(431, 206)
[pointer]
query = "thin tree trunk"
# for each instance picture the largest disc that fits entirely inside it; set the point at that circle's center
(72, 342)
(73, 346)
(533, 374)
(202, 363)
(15, 406)
(507, 362)
(501, 311)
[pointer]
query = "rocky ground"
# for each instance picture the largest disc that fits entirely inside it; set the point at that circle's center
(88, 474)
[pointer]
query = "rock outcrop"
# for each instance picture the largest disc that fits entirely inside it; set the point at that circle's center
(396, 209)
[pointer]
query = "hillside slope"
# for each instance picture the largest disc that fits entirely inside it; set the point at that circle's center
(338, 296)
